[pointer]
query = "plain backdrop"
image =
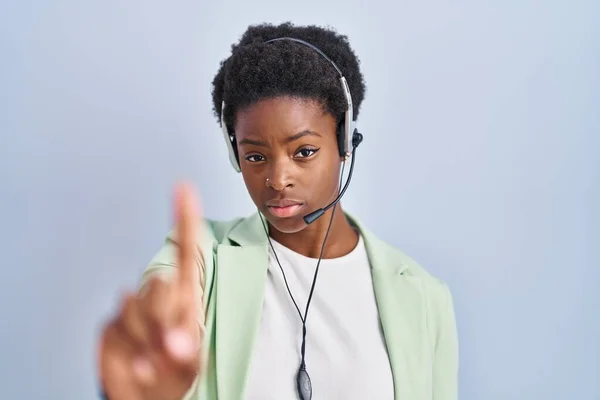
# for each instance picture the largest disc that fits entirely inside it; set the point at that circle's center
(480, 160)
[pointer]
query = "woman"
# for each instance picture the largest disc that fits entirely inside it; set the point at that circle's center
(287, 303)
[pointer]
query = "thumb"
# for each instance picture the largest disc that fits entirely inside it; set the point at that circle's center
(181, 345)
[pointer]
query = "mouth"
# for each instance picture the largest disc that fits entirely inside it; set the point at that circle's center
(284, 208)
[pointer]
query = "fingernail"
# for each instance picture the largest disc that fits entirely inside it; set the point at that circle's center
(180, 344)
(143, 369)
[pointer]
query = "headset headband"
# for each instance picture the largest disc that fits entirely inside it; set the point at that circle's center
(349, 125)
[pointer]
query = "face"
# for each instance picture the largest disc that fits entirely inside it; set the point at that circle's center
(289, 159)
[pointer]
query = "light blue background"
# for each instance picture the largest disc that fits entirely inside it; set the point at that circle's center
(480, 160)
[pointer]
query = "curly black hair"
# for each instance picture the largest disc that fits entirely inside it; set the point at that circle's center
(257, 70)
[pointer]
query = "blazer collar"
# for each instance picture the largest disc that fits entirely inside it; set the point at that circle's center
(383, 257)
(249, 231)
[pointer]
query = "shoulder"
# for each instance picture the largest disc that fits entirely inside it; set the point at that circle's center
(393, 261)
(436, 286)
(436, 291)
(212, 232)
(384, 255)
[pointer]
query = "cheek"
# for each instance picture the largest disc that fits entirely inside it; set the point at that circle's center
(328, 176)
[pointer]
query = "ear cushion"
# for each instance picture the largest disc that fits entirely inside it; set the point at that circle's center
(234, 149)
(341, 138)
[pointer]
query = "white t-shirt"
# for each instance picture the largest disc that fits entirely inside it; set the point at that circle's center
(346, 356)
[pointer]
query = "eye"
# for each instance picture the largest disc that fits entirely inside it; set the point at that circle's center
(306, 152)
(254, 158)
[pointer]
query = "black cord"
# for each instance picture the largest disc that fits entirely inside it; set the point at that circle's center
(312, 288)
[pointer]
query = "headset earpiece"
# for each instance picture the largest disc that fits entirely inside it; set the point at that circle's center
(229, 141)
(235, 151)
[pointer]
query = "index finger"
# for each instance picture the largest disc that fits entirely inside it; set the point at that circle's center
(187, 225)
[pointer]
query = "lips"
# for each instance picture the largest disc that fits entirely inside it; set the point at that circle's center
(284, 208)
(283, 203)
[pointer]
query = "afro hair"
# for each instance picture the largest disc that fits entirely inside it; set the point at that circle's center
(256, 70)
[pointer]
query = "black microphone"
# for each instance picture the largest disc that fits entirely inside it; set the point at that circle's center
(313, 216)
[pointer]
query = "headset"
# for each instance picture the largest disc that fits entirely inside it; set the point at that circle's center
(346, 134)
(348, 139)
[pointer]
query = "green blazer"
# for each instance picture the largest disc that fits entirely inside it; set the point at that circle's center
(415, 309)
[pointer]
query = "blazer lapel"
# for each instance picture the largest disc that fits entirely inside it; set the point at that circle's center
(240, 287)
(401, 311)
(401, 306)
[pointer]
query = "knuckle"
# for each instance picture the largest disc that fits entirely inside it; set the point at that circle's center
(125, 304)
(112, 337)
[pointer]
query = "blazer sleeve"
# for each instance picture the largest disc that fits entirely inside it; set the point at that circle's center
(445, 362)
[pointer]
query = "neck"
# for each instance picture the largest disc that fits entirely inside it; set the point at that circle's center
(342, 238)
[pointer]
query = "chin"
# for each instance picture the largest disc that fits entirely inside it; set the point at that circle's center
(286, 225)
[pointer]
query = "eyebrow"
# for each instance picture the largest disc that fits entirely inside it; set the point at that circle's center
(287, 140)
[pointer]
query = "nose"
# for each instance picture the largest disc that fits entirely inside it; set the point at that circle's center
(280, 176)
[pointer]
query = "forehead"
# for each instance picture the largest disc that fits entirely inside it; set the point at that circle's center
(282, 115)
